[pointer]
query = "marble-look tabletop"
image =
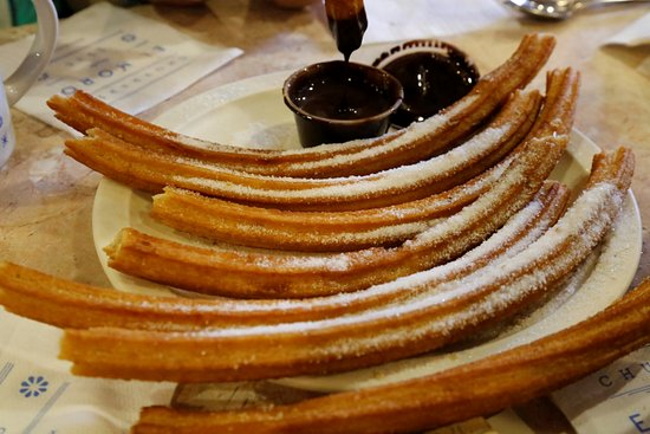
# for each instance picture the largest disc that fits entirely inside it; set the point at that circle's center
(46, 199)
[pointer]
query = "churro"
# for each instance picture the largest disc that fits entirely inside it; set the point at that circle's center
(145, 169)
(68, 304)
(227, 221)
(431, 137)
(273, 275)
(421, 324)
(480, 388)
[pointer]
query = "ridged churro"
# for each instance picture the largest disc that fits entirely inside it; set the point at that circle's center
(68, 304)
(241, 224)
(431, 137)
(417, 325)
(417, 240)
(480, 388)
(273, 275)
(145, 169)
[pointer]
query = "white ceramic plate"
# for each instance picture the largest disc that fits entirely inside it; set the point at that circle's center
(251, 113)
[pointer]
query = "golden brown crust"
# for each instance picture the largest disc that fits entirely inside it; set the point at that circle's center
(476, 389)
(184, 340)
(257, 226)
(273, 275)
(67, 304)
(360, 157)
(265, 227)
(443, 314)
(142, 168)
(234, 223)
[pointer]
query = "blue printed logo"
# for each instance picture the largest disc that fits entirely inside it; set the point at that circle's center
(33, 386)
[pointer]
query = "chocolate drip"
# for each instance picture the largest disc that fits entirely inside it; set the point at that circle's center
(347, 22)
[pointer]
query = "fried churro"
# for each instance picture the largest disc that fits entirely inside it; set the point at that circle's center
(421, 324)
(68, 304)
(431, 137)
(476, 389)
(257, 226)
(273, 275)
(145, 169)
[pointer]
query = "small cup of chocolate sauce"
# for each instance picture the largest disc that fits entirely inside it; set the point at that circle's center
(433, 73)
(339, 101)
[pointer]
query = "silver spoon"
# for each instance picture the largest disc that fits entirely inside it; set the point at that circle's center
(560, 9)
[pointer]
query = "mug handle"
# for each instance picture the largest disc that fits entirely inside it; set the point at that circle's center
(39, 54)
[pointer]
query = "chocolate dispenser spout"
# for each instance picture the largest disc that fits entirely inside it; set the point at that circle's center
(347, 21)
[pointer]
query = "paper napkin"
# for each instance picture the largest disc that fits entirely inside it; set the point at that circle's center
(613, 400)
(127, 60)
(390, 20)
(39, 395)
(635, 35)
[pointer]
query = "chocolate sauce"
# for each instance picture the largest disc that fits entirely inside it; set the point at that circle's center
(344, 93)
(431, 82)
(336, 99)
(348, 32)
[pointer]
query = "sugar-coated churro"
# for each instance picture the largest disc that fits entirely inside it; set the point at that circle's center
(236, 223)
(272, 275)
(457, 122)
(146, 169)
(372, 337)
(68, 304)
(475, 389)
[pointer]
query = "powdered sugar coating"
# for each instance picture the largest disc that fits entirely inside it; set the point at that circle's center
(414, 283)
(592, 209)
(396, 179)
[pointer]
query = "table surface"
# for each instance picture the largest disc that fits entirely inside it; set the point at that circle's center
(46, 198)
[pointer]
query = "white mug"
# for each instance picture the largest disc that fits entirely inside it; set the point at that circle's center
(27, 72)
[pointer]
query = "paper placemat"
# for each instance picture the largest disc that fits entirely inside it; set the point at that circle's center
(637, 33)
(392, 20)
(127, 60)
(614, 400)
(39, 395)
